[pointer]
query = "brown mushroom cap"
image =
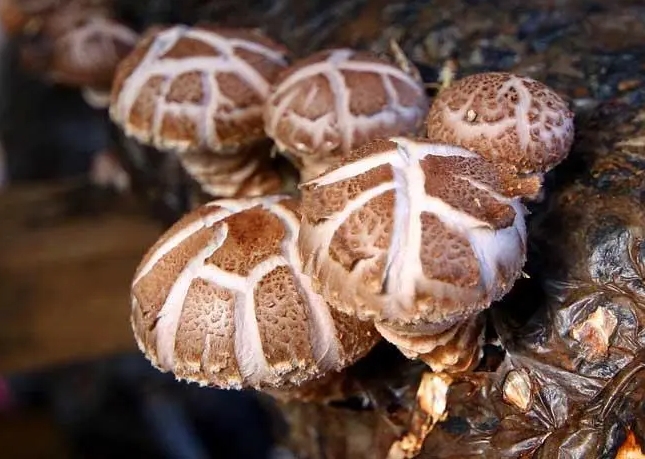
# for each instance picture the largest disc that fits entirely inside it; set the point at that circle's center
(329, 103)
(221, 299)
(504, 118)
(89, 51)
(191, 88)
(413, 233)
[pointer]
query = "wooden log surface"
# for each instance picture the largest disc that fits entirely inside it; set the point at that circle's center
(65, 275)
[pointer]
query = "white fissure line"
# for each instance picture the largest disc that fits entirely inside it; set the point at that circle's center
(168, 317)
(351, 170)
(78, 39)
(522, 108)
(403, 267)
(324, 340)
(346, 123)
(177, 239)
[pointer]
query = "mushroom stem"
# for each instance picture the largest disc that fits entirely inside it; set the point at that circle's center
(456, 349)
(403, 62)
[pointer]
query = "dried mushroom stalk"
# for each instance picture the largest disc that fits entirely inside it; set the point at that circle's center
(573, 381)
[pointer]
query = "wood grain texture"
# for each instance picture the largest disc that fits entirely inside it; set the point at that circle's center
(64, 280)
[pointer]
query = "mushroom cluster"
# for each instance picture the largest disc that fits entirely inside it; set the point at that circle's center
(392, 235)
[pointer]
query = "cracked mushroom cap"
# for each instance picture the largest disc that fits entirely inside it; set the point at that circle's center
(414, 234)
(504, 118)
(88, 50)
(191, 88)
(221, 299)
(327, 104)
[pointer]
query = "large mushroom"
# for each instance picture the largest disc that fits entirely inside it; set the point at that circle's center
(504, 118)
(418, 237)
(221, 299)
(334, 101)
(198, 92)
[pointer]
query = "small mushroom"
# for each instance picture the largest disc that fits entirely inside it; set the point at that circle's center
(334, 101)
(418, 237)
(78, 44)
(87, 55)
(199, 92)
(504, 118)
(221, 299)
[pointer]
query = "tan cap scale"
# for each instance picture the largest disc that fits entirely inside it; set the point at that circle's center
(329, 103)
(504, 118)
(415, 235)
(221, 299)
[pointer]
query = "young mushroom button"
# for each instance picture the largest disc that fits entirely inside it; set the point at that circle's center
(325, 105)
(221, 299)
(199, 92)
(504, 118)
(415, 235)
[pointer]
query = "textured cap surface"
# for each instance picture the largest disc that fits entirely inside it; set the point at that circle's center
(187, 88)
(334, 101)
(221, 299)
(505, 118)
(87, 49)
(410, 232)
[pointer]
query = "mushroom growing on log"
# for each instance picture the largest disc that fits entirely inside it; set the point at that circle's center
(198, 92)
(334, 101)
(581, 355)
(418, 237)
(221, 299)
(504, 118)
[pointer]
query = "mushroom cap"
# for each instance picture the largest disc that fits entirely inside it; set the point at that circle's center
(331, 102)
(89, 50)
(190, 88)
(221, 299)
(414, 233)
(504, 118)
